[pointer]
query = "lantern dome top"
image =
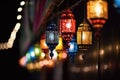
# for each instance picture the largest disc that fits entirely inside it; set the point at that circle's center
(52, 26)
(84, 26)
(67, 14)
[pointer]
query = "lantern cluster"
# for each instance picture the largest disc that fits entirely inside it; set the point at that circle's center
(51, 41)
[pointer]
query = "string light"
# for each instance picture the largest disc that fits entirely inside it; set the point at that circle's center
(9, 44)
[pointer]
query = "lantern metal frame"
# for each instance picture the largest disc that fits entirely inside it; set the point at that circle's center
(52, 37)
(67, 26)
(97, 12)
(84, 36)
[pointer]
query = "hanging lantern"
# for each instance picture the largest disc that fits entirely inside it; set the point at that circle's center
(43, 44)
(97, 12)
(84, 36)
(59, 47)
(51, 37)
(73, 49)
(67, 25)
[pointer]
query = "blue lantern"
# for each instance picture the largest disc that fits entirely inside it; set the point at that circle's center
(117, 5)
(30, 55)
(73, 49)
(52, 37)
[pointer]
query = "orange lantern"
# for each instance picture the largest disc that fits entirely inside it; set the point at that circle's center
(97, 12)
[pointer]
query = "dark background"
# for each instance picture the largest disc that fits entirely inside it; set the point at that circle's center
(9, 66)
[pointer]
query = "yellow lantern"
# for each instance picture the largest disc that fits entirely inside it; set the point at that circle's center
(84, 36)
(59, 47)
(97, 12)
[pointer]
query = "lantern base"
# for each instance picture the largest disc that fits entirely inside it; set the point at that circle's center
(97, 22)
(71, 57)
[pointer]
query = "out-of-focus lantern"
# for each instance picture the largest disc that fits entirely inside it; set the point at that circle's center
(52, 37)
(37, 50)
(84, 36)
(43, 44)
(67, 26)
(59, 48)
(30, 55)
(97, 12)
(117, 5)
(73, 49)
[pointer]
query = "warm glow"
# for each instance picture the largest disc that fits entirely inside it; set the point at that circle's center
(87, 37)
(67, 25)
(55, 55)
(98, 9)
(84, 35)
(102, 52)
(30, 66)
(42, 55)
(97, 12)
(22, 61)
(64, 55)
(19, 17)
(22, 3)
(81, 57)
(43, 44)
(19, 9)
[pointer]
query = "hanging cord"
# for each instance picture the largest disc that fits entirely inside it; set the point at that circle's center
(84, 11)
(77, 3)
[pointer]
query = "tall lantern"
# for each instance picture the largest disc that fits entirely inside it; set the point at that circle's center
(84, 36)
(97, 12)
(52, 37)
(67, 26)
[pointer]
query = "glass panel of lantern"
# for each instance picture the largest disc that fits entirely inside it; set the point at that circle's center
(52, 37)
(97, 12)
(84, 36)
(67, 25)
(73, 49)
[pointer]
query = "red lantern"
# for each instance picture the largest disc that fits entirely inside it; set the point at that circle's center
(67, 25)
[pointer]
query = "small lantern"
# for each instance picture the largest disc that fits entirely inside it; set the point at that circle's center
(84, 36)
(73, 49)
(51, 37)
(59, 48)
(43, 44)
(67, 25)
(97, 12)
